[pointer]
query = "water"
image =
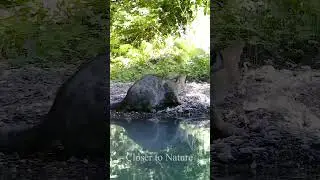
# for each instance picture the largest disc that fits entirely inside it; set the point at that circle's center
(160, 149)
(168, 148)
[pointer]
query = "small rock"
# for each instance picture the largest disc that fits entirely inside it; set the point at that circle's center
(305, 68)
(238, 142)
(225, 157)
(72, 159)
(253, 165)
(246, 150)
(85, 161)
(13, 169)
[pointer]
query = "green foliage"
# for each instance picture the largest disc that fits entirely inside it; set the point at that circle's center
(182, 58)
(141, 33)
(276, 27)
(34, 34)
(77, 29)
(10, 3)
(135, 21)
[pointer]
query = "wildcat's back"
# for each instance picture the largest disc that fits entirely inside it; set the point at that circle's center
(80, 107)
(145, 93)
(76, 118)
(152, 93)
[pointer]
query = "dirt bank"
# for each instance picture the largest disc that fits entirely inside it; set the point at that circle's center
(280, 112)
(26, 94)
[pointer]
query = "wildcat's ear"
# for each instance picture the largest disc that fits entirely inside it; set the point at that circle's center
(217, 62)
(180, 79)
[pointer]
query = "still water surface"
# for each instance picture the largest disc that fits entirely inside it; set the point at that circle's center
(160, 149)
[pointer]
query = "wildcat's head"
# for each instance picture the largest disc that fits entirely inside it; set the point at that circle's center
(178, 82)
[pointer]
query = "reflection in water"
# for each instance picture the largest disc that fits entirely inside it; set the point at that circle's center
(156, 148)
(154, 135)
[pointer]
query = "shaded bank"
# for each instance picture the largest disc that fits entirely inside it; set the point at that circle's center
(279, 112)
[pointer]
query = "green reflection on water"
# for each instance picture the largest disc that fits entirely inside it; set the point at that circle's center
(187, 156)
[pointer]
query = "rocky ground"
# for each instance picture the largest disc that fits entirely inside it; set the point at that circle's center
(279, 110)
(26, 94)
(195, 102)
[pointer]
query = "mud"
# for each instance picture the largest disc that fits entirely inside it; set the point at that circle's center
(279, 111)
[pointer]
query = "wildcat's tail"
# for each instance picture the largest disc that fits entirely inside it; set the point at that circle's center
(116, 106)
(24, 140)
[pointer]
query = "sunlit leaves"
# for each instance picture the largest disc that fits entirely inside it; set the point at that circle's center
(270, 21)
(73, 30)
(143, 35)
(135, 21)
